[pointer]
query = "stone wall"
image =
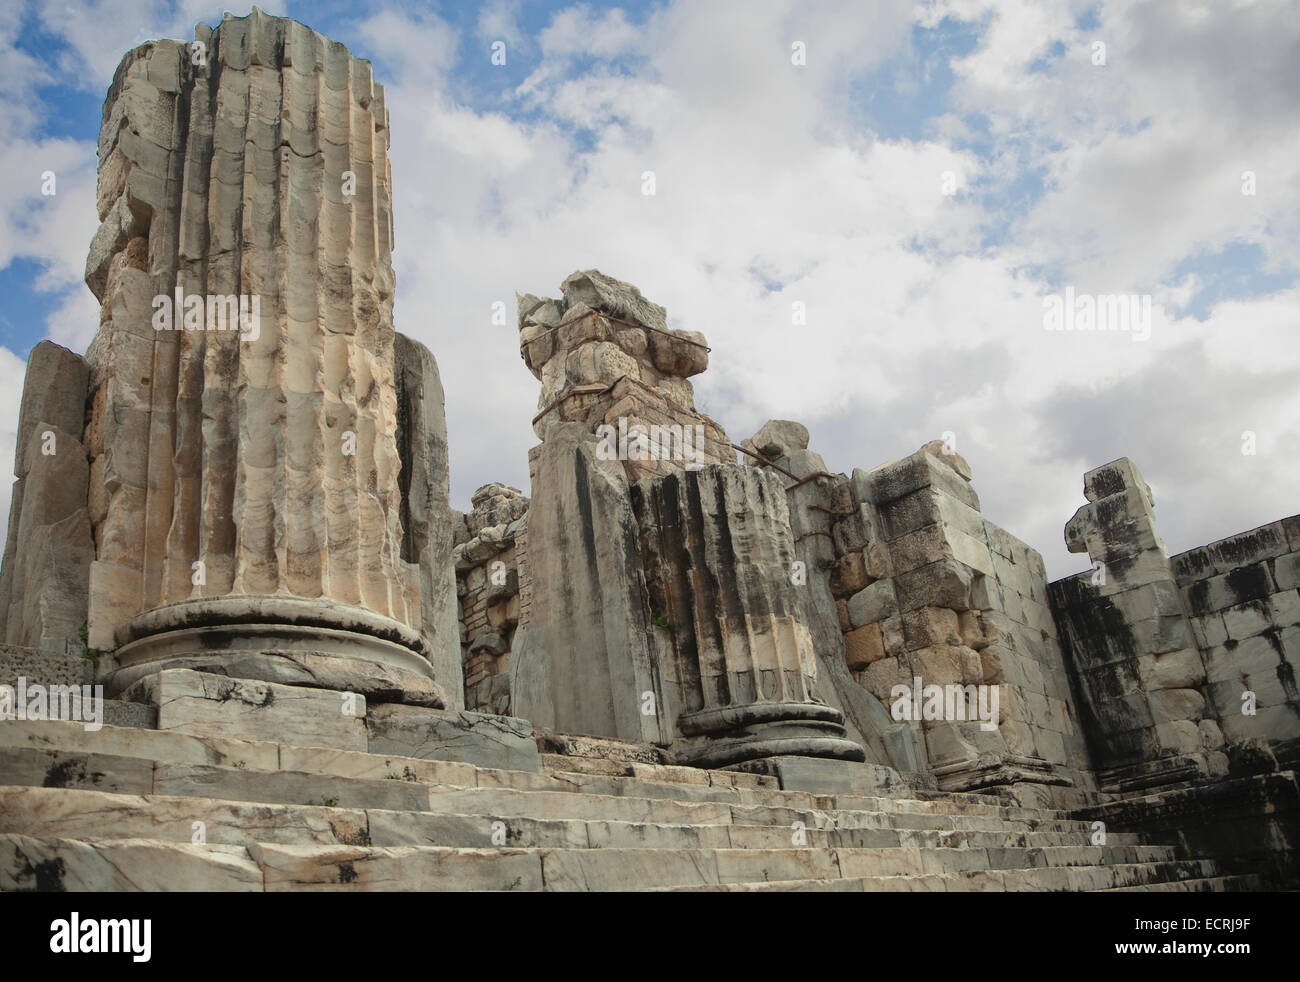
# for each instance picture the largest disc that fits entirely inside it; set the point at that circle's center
(605, 357)
(924, 587)
(1243, 604)
(490, 544)
(1185, 667)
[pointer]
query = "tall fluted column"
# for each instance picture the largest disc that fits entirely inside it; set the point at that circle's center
(249, 478)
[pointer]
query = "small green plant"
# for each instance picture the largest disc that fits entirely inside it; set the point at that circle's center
(661, 620)
(90, 654)
(241, 764)
(518, 882)
(325, 802)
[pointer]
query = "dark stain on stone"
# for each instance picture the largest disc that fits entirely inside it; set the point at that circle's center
(65, 774)
(1108, 482)
(350, 837)
(1249, 582)
(347, 873)
(46, 875)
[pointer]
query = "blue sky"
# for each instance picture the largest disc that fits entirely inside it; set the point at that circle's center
(819, 183)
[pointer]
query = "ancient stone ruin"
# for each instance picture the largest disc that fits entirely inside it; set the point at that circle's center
(677, 661)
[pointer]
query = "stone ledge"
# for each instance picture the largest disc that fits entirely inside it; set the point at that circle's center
(504, 742)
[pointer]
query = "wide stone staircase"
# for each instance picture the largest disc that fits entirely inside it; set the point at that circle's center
(126, 808)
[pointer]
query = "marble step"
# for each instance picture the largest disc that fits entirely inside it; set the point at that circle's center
(50, 864)
(132, 775)
(1137, 879)
(547, 804)
(44, 768)
(1237, 883)
(29, 862)
(84, 814)
(649, 780)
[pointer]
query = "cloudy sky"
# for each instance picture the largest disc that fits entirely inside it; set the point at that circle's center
(919, 176)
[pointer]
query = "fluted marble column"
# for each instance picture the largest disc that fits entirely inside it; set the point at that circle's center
(247, 503)
(720, 569)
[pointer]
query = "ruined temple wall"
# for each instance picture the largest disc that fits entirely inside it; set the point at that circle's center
(488, 556)
(1165, 650)
(1243, 603)
(927, 587)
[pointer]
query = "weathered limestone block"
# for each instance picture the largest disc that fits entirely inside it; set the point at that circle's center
(54, 395)
(43, 667)
(91, 814)
(45, 572)
(890, 482)
(776, 439)
(873, 603)
(52, 864)
(297, 868)
(950, 457)
(209, 705)
(426, 509)
(495, 504)
(1130, 641)
(1237, 551)
(48, 560)
(606, 358)
(587, 656)
(486, 741)
(1119, 519)
(972, 600)
(601, 292)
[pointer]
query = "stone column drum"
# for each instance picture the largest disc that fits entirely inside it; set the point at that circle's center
(247, 494)
(720, 566)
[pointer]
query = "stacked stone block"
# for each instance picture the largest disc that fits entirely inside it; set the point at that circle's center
(489, 546)
(930, 589)
(605, 356)
(49, 547)
(818, 501)
(1139, 673)
(1244, 610)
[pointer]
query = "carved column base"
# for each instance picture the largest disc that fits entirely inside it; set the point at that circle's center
(734, 734)
(286, 640)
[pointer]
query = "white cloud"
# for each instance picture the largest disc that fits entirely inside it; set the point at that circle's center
(770, 190)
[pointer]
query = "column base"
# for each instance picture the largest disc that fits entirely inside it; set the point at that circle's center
(284, 640)
(735, 734)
